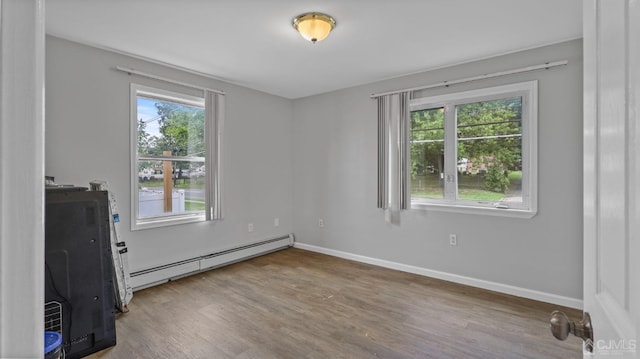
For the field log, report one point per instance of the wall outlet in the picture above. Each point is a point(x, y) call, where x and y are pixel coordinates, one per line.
point(320, 222)
point(276, 222)
point(453, 240)
point(250, 227)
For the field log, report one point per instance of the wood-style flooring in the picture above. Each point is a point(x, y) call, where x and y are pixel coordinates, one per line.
point(300, 304)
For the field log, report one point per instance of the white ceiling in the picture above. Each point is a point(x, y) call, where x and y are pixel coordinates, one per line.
point(252, 42)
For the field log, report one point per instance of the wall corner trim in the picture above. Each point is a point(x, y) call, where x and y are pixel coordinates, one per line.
point(473, 282)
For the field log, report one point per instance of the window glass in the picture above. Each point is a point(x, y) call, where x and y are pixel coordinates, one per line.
point(427, 153)
point(187, 180)
point(489, 150)
point(170, 153)
point(475, 150)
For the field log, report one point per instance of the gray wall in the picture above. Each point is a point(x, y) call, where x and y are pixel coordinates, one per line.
point(87, 137)
point(334, 162)
point(317, 155)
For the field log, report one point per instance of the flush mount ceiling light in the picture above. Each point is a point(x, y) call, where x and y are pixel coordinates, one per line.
point(314, 26)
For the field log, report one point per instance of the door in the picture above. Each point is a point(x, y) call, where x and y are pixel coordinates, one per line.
point(612, 174)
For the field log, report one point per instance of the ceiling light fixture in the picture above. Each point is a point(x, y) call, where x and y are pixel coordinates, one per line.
point(314, 26)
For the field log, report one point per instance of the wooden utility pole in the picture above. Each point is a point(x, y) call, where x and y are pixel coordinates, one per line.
point(168, 183)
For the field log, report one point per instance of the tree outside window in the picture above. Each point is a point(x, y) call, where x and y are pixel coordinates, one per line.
point(473, 148)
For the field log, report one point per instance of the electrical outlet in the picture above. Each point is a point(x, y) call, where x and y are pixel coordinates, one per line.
point(453, 240)
point(320, 222)
point(276, 222)
point(250, 227)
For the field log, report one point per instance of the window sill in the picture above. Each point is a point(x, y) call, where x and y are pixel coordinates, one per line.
point(478, 210)
point(149, 223)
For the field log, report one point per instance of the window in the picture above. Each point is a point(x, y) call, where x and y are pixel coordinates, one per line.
point(475, 151)
point(172, 158)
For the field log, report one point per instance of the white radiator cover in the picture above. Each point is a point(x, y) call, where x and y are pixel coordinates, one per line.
point(162, 274)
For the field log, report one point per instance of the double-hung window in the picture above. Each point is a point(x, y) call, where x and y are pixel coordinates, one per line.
point(172, 157)
point(475, 151)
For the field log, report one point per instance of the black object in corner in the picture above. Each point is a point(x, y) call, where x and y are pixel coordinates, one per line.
point(79, 268)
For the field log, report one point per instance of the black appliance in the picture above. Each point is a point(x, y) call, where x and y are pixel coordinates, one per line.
point(79, 268)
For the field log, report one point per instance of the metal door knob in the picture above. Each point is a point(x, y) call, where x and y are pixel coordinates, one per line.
point(561, 327)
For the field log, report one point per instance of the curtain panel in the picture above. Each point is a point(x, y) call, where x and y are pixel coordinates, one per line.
point(214, 107)
point(393, 153)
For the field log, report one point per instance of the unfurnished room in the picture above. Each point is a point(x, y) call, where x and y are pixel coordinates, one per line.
point(319, 179)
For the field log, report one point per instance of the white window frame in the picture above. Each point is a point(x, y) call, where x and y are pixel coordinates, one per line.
point(528, 91)
point(163, 95)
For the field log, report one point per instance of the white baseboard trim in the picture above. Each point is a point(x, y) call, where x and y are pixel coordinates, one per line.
point(473, 282)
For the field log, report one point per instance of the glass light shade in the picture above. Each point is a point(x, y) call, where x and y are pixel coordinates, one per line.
point(314, 26)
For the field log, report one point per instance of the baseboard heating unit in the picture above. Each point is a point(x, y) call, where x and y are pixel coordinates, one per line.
point(161, 274)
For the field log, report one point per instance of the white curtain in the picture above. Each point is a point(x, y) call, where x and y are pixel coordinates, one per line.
point(214, 105)
point(393, 154)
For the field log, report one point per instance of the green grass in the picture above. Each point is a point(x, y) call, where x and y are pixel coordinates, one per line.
point(193, 204)
point(181, 183)
point(470, 187)
point(479, 195)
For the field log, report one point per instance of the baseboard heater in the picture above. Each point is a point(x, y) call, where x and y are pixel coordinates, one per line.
point(162, 274)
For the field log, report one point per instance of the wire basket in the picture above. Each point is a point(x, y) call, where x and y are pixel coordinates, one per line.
point(53, 317)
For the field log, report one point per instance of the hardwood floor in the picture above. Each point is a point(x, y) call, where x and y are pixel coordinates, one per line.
point(300, 304)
